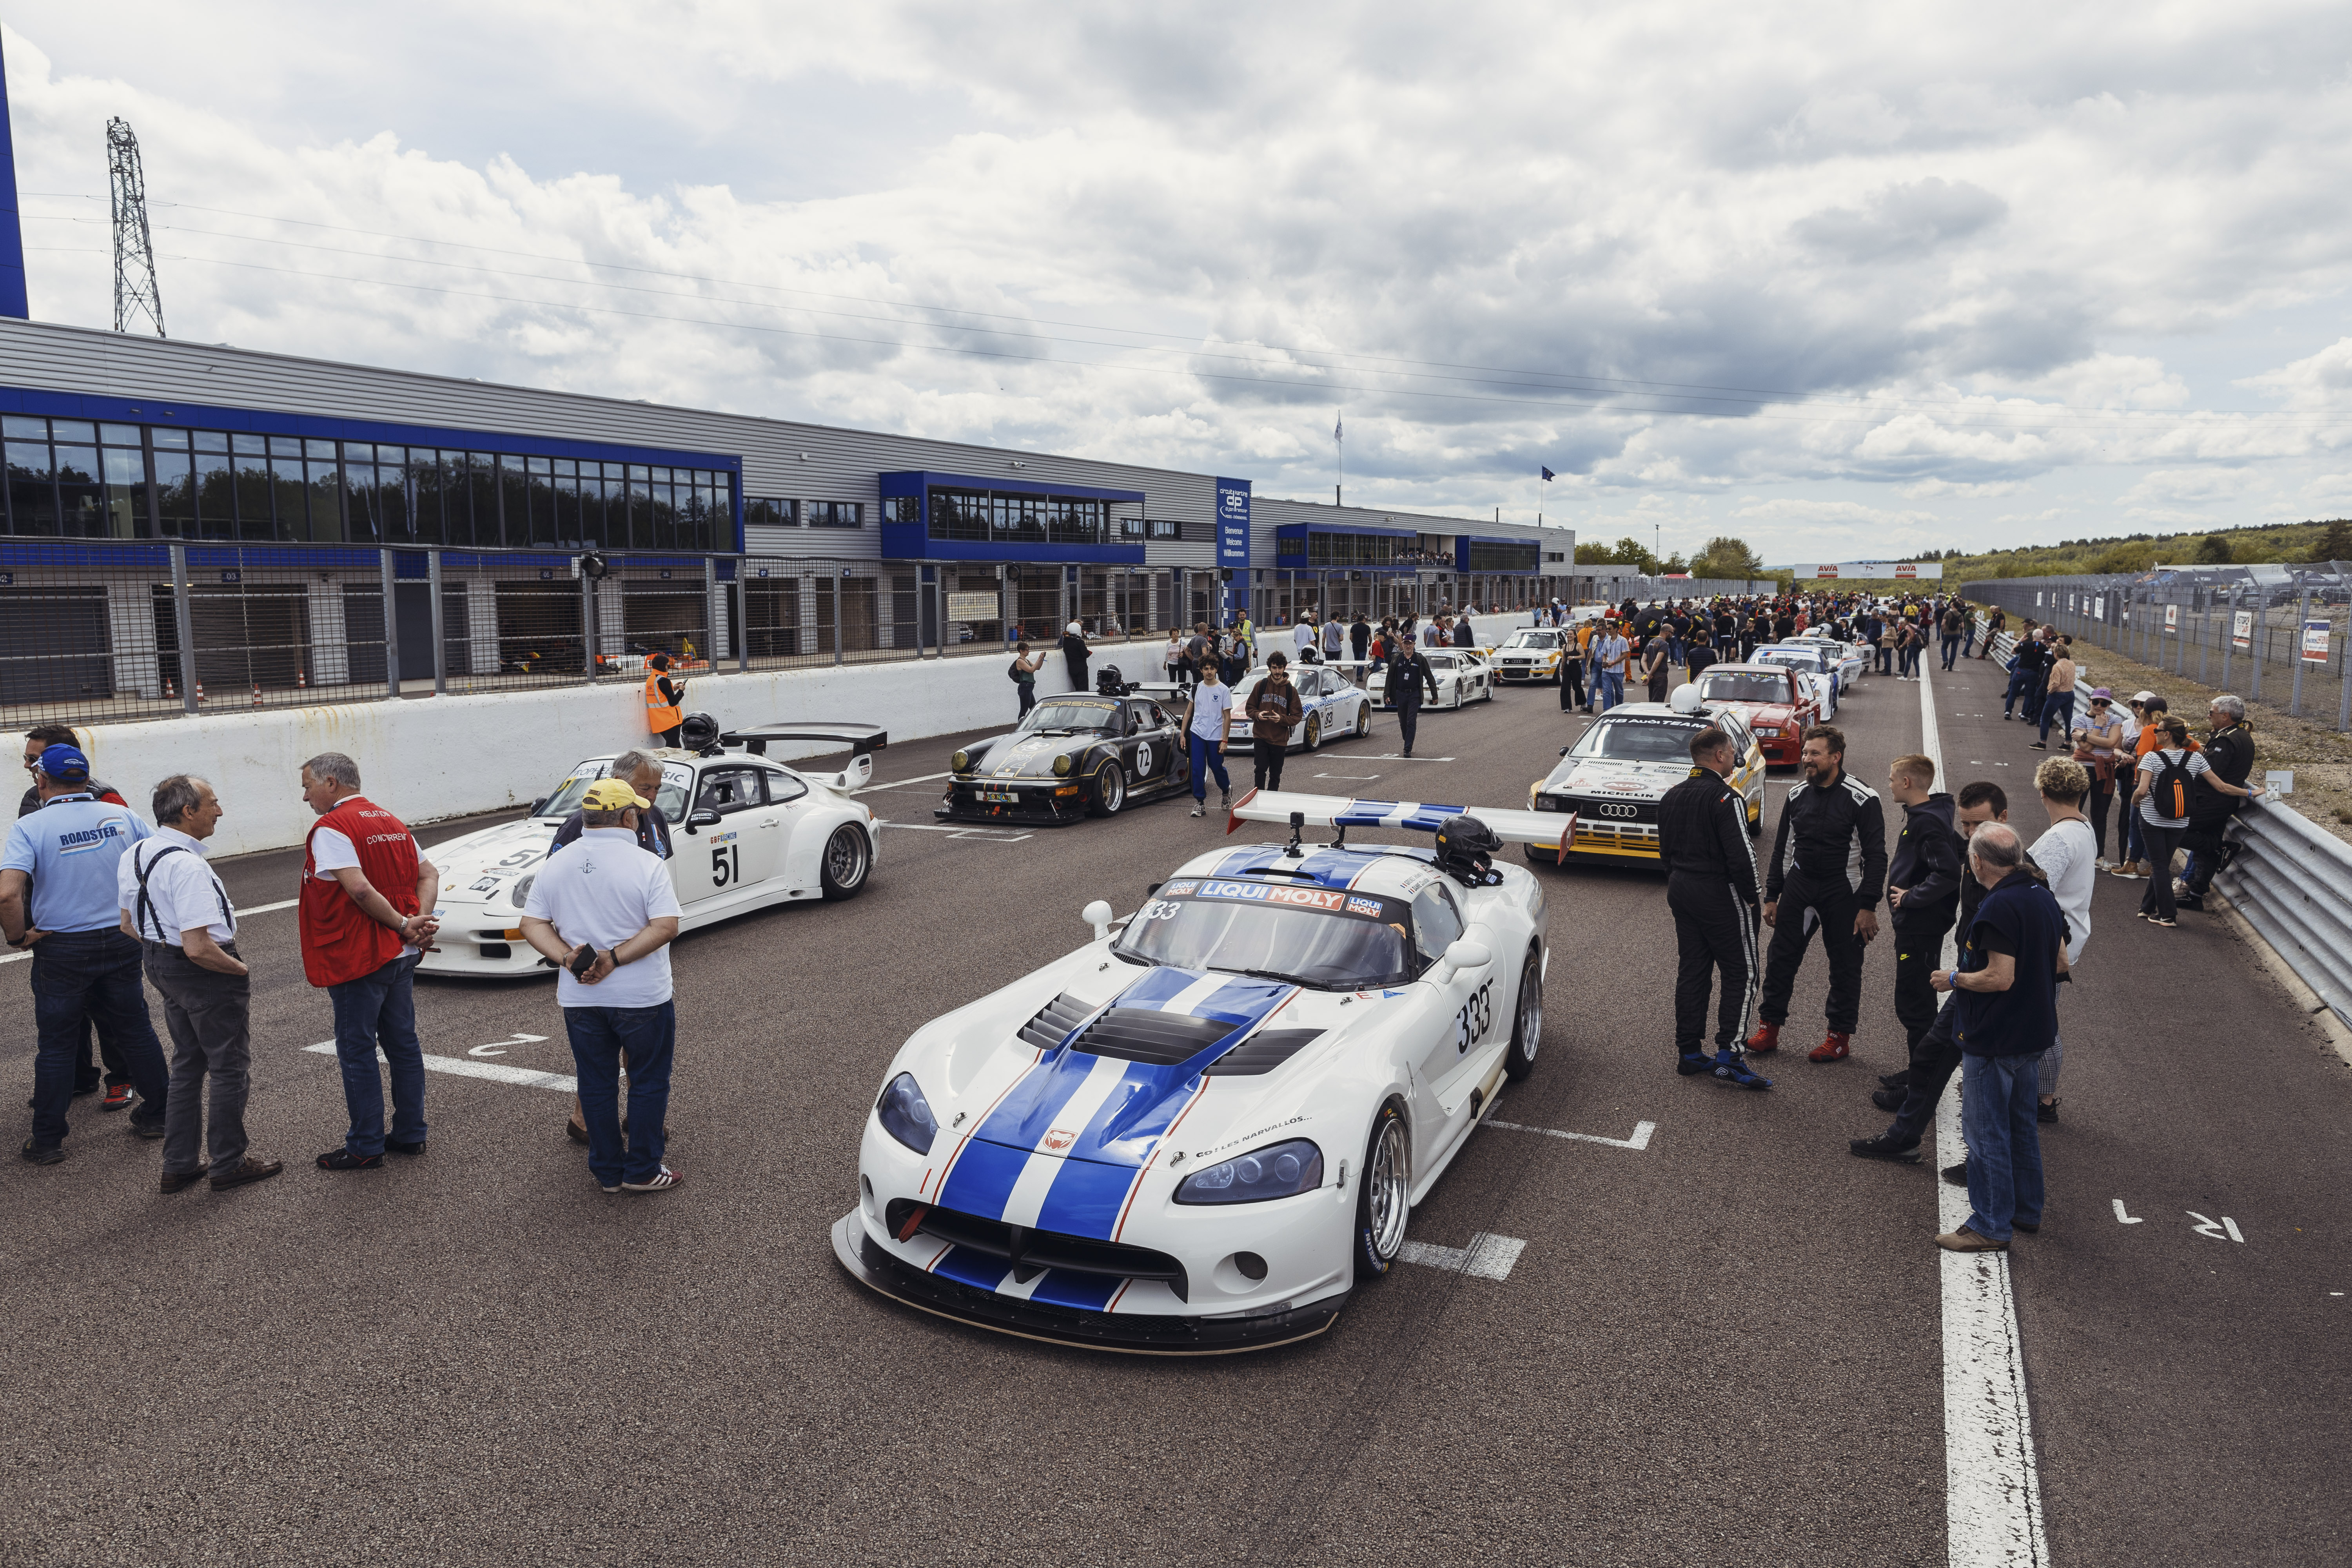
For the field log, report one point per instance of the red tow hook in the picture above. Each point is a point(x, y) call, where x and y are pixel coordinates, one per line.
point(914, 1223)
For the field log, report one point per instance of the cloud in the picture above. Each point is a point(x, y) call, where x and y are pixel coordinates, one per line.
point(1768, 250)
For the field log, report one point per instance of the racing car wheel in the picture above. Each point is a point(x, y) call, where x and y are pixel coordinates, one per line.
point(698, 733)
point(1466, 850)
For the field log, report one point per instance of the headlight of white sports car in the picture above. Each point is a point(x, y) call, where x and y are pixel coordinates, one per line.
point(1282, 1171)
point(907, 1115)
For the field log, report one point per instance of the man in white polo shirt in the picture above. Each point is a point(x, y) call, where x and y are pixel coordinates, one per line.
point(606, 911)
point(172, 901)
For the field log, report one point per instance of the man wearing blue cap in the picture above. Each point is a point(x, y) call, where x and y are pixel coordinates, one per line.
point(62, 862)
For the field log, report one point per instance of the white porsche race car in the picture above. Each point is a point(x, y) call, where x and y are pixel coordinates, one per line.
point(1198, 1135)
point(1463, 676)
point(1817, 661)
point(745, 833)
point(1333, 706)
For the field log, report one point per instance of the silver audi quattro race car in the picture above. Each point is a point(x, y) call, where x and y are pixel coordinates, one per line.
point(1080, 754)
point(1531, 653)
point(745, 833)
point(1602, 796)
point(1200, 1131)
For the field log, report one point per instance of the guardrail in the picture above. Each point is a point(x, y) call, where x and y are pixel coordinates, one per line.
point(2293, 882)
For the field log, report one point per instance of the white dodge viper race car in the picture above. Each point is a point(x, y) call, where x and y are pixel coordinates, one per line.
point(1200, 1134)
point(745, 833)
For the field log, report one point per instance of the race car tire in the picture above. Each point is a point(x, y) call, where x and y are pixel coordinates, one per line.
point(1384, 1194)
point(1526, 1023)
point(1110, 791)
point(1312, 736)
point(847, 858)
point(1364, 719)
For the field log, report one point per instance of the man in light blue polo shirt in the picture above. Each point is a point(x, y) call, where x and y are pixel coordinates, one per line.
point(84, 966)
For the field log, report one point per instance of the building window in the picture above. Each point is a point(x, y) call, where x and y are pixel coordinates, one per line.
point(1504, 556)
point(767, 511)
point(902, 509)
point(1290, 549)
point(834, 513)
point(1349, 549)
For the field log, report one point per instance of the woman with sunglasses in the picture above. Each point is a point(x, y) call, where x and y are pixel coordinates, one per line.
point(2098, 742)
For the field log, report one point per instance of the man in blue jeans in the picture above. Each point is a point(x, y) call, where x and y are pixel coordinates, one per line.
point(606, 911)
point(1208, 716)
point(58, 902)
point(2008, 1015)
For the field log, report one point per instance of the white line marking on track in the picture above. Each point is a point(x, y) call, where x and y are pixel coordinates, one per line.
point(1641, 1138)
point(2123, 1218)
point(1487, 1256)
point(1359, 778)
point(990, 835)
point(1992, 1492)
point(1397, 757)
point(256, 910)
point(465, 1066)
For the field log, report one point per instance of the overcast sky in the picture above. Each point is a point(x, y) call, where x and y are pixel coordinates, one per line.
point(1849, 281)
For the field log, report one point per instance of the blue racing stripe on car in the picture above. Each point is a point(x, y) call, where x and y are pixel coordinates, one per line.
point(982, 1178)
point(1160, 986)
point(966, 1267)
point(1086, 1198)
point(1088, 1292)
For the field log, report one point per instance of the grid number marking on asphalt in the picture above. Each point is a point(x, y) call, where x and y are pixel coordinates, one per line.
point(1487, 1256)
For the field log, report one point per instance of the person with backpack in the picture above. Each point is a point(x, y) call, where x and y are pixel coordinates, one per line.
point(2229, 753)
point(2162, 800)
point(1024, 673)
point(1950, 627)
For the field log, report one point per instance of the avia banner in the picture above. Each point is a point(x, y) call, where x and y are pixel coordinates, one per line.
point(1872, 572)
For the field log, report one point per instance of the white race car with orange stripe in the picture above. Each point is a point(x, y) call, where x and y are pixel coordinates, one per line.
point(1200, 1133)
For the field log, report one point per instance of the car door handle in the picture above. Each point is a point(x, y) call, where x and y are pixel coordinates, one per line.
point(769, 822)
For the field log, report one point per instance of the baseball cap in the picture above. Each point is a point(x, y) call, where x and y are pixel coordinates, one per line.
point(2101, 694)
point(2142, 696)
point(65, 764)
point(612, 795)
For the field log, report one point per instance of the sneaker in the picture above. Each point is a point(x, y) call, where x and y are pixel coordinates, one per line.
point(1895, 1080)
point(177, 1180)
point(2161, 921)
point(247, 1170)
point(1884, 1147)
point(118, 1098)
point(1958, 1175)
point(1225, 801)
point(1965, 1240)
point(415, 1148)
point(2103, 864)
point(1693, 1063)
point(1731, 1067)
point(2127, 874)
point(149, 1128)
point(1764, 1041)
point(1888, 1098)
point(344, 1160)
point(42, 1153)
point(1834, 1047)
point(2189, 901)
point(1197, 811)
point(661, 1181)
point(2038, 746)
point(2046, 1111)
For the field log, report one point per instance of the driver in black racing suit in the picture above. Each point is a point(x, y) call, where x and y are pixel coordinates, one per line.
point(1711, 889)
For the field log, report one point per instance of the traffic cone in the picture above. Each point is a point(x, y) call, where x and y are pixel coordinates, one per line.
point(302, 679)
point(200, 693)
point(257, 694)
point(167, 687)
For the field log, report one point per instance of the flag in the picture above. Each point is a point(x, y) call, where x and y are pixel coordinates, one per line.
point(1547, 474)
point(1335, 428)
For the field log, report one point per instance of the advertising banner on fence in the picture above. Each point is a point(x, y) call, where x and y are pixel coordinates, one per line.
point(2242, 628)
point(2314, 642)
point(2172, 619)
point(1872, 572)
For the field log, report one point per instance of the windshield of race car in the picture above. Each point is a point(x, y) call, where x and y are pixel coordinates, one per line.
point(1794, 658)
point(1321, 938)
point(1528, 637)
point(1738, 686)
point(677, 779)
point(1086, 718)
point(1638, 741)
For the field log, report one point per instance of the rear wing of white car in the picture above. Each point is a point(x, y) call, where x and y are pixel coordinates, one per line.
point(1544, 829)
point(863, 740)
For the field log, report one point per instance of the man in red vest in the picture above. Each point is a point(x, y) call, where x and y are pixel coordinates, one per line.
point(367, 896)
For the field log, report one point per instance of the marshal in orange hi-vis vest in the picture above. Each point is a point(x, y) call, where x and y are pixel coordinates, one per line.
point(661, 714)
point(339, 941)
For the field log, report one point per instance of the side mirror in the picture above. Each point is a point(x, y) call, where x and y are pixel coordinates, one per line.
point(1097, 915)
point(537, 804)
point(700, 816)
point(1464, 954)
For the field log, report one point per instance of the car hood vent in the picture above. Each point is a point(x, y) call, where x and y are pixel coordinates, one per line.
point(1053, 1022)
point(1148, 1034)
point(1263, 1052)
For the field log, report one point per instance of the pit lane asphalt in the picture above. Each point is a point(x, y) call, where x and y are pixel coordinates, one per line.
point(1722, 1348)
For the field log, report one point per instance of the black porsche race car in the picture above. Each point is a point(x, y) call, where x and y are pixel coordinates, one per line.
point(1075, 755)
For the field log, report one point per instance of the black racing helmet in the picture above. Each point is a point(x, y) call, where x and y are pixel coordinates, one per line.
point(698, 732)
point(1467, 848)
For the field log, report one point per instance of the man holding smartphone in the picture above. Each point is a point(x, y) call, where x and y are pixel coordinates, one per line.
point(606, 910)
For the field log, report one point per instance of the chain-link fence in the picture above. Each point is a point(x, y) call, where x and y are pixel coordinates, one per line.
point(2272, 634)
point(93, 632)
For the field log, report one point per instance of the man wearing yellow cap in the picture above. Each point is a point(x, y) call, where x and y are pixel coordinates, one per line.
point(606, 910)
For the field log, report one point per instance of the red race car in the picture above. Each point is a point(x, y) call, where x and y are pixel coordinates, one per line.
point(1773, 700)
